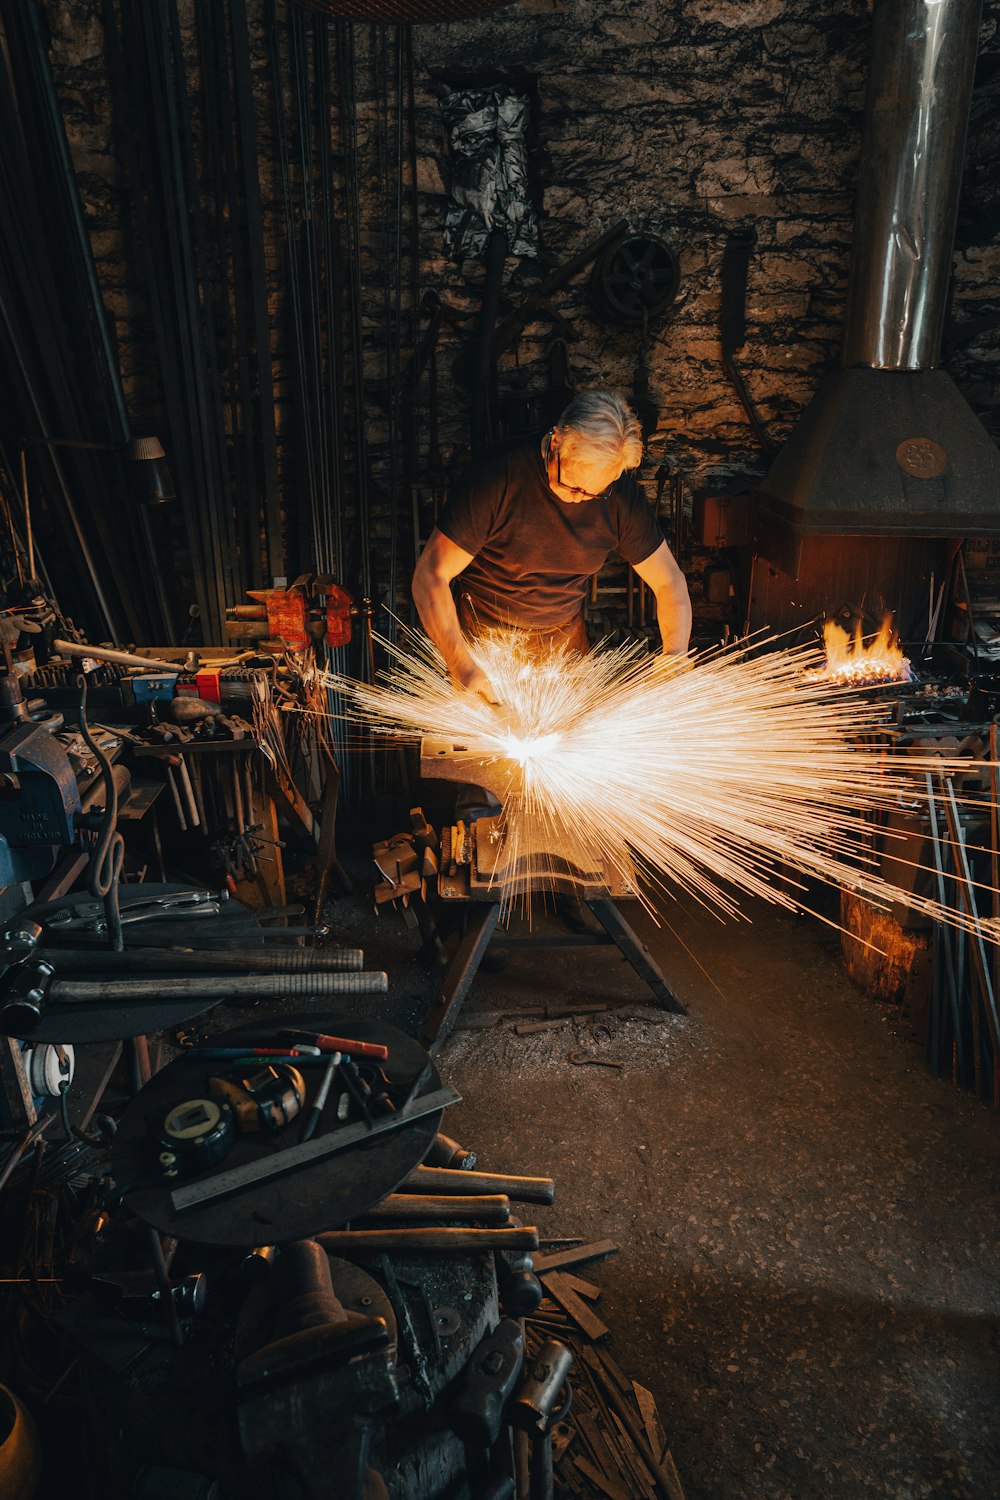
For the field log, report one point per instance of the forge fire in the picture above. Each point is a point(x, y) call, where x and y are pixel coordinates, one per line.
point(853, 660)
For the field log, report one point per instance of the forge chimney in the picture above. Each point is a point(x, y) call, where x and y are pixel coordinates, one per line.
point(889, 447)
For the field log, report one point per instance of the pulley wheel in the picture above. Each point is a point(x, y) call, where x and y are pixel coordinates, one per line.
point(636, 279)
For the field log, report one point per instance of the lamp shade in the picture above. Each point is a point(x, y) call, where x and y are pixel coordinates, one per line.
point(150, 480)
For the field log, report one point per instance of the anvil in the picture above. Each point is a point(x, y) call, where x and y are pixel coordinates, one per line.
point(546, 859)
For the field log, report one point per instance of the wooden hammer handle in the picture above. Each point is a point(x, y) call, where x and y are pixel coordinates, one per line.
point(453, 1180)
point(491, 1208)
point(354, 1241)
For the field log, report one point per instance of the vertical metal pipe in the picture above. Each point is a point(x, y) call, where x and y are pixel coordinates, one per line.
point(916, 117)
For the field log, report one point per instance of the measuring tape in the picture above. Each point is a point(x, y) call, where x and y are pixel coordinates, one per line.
point(196, 1134)
point(265, 1100)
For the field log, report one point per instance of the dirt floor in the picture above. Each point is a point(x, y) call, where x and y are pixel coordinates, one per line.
point(809, 1271)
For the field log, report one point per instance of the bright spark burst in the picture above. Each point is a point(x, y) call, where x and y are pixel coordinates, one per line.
point(731, 778)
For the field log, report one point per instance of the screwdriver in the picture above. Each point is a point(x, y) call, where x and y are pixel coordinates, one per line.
point(335, 1043)
point(322, 1094)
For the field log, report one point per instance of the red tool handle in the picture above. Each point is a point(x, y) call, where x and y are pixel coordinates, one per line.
point(344, 1044)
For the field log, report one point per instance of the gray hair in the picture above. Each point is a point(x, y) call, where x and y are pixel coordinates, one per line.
point(605, 425)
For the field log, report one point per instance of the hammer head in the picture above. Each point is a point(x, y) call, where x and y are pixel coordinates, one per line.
point(24, 995)
point(533, 1406)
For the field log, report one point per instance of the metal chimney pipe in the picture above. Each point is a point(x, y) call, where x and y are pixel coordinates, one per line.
point(916, 118)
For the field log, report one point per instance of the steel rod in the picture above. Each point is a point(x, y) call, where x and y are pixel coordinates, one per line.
point(210, 987)
point(69, 961)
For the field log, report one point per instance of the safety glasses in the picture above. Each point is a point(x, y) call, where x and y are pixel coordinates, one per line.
point(571, 489)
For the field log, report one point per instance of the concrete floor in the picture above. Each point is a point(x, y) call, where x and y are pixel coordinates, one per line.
point(809, 1272)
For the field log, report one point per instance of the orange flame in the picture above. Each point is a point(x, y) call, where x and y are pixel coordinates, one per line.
point(850, 660)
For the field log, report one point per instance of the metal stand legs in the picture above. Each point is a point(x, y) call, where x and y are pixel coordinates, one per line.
point(482, 924)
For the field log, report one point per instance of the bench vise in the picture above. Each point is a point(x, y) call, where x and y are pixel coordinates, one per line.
point(39, 797)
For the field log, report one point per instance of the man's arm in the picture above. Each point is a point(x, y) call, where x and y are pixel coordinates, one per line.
point(440, 562)
point(660, 572)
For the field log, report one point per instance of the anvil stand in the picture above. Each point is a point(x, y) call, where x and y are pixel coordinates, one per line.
point(542, 868)
point(482, 924)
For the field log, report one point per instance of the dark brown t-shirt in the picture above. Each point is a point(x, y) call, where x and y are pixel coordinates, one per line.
point(534, 554)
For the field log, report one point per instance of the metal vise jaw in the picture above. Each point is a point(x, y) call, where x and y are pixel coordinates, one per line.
point(39, 800)
point(325, 1374)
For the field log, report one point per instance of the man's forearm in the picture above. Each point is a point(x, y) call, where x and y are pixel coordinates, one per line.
point(673, 616)
point(438, 616)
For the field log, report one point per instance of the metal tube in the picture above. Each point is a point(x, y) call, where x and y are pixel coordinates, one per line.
point(210, 987)
point(205, 961)
point(916, 116)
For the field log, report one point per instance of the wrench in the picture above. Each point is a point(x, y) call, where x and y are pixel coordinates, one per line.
point(579, 1058)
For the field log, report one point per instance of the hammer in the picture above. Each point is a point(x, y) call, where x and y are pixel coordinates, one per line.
point(534, 1410)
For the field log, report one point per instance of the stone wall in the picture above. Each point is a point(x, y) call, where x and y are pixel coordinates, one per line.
point(690, 120)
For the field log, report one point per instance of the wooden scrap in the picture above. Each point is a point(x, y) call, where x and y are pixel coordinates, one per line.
point(582, 1288)
point(667, 1480)
point(587, 1321)
point(617, 1374)
point(650, 1417)
point(573, 1483)
point(576, 1008)
point(632, 1461)
point(594, 1437)
point(670, 1469)
point(556, 1315)
point(597, 1250)
point(609, 1487)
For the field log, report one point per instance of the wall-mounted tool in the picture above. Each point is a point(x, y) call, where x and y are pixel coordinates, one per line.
point(735, 265)
point(314, 609)
point(311, 1326)
point(476, 1414)
point(538, 1406)
point(635, 279)
point(39, 797)
point(446, 1153)
point(521, 1292)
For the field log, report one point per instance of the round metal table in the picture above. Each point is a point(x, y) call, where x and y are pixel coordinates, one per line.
point(300, 1203)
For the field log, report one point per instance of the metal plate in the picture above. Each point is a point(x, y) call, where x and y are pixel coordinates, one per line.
point(113, 1021)
point(298, 1204)
point(922, 457)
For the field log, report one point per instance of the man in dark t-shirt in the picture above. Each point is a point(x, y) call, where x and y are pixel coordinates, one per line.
point(527, 527)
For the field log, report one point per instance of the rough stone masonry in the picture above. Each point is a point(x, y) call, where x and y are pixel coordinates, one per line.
point(690, 120)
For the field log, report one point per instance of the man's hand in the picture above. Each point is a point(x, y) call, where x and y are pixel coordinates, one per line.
point(474, 680)
point(674, 663)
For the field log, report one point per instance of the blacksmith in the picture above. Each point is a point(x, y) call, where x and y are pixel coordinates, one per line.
point(527, 527)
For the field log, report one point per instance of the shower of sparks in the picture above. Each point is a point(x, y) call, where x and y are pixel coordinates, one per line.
point(728, 779)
